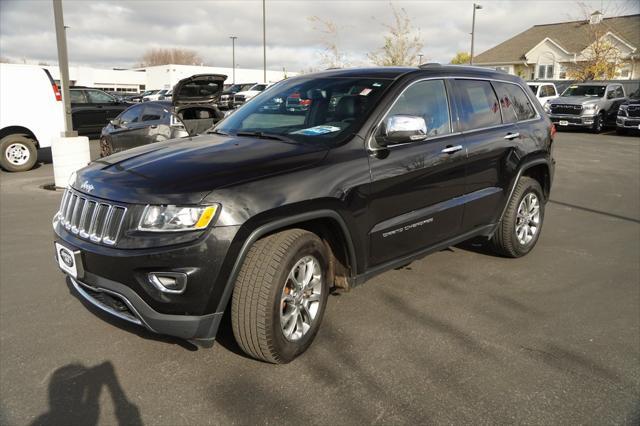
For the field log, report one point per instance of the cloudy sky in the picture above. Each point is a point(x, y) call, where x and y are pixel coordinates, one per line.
point(116, 33)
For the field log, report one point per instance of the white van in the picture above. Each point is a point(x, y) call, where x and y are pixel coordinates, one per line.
point(31, 114)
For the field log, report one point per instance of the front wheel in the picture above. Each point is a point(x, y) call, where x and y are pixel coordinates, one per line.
point(520, 227)
point(19, 153)
point(598, 123)
point(280, 296)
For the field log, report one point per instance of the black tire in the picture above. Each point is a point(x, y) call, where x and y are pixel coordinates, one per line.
point(106, 148)
point(598, 123)
point(621, 131)
point(18, 153)
point(504, 240)
point(256, 305)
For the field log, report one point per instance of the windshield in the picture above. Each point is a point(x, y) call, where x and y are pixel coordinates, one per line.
point(307, 109)
point(635, 95)
point(534, 88)
point(595, 91)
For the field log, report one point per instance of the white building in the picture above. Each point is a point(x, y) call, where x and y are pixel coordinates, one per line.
point(158, 77)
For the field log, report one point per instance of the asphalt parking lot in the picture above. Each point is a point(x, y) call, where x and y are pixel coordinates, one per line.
point(460, 336)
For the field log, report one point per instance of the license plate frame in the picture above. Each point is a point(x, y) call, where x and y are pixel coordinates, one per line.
point(70, 261)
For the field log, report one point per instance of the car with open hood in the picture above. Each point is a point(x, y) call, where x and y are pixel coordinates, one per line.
point(274, 208)
point(191, 110)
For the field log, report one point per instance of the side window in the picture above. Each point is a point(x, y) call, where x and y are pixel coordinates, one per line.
point(426, 99)
point(478, 104)
point(521, 104)
point(548, 91)
point(506, 104)
point(131, 115)
point(552, 90)
point(99, 97)
point(619, 92)
point(153, 113)
point(77, 97)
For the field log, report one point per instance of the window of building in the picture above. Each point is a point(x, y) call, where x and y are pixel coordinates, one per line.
point(545, 72)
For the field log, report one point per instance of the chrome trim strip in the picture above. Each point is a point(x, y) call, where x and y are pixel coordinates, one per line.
point(78, 286)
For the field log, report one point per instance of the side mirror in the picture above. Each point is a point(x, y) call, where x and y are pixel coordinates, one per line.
point(115, 122)
point(403, 128)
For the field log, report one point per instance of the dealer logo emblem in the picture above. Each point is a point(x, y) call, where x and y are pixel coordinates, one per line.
point(66, 258)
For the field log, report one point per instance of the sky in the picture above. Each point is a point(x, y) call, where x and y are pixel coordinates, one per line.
point(108, 34)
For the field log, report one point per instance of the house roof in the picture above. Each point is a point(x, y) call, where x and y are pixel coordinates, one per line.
point(573, 36)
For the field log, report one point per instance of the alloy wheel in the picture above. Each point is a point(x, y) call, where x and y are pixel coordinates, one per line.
point(528, 219)
point(301, 298)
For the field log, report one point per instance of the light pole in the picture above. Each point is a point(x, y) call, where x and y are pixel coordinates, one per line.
point(63, 63)
point(420, 55)
point(233, 56)
point(264, 41)
point(473, 30)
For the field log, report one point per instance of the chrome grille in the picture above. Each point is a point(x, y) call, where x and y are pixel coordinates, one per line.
point(566, 109)
point(633, 110)
point(91, 219)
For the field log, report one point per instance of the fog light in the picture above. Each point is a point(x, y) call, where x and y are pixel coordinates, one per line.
point(169, 282)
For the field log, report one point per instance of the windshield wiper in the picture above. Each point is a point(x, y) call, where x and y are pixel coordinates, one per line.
point(263, 135)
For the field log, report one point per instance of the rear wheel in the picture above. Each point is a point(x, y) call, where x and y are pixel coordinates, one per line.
point(280, 296)
point(520, 227)
point(18, 152)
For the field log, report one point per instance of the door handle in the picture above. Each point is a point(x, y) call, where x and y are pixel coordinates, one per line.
point(153, 126)
point(512, 136)
point(451, 149)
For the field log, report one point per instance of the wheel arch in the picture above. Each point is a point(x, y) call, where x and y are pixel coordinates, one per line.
point(327, 224)
point(537, 169)
point(19, 130)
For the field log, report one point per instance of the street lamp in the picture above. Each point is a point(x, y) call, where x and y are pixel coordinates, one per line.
point(473, 30)
point(233, 56)
point(420, 55)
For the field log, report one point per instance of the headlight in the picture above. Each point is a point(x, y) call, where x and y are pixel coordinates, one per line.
point(623, 110)
point(589, 108)
point(176, 218)
point(547, 108)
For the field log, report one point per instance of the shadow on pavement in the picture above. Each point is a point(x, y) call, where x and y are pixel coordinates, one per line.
point(586, 209)
point(74, 395)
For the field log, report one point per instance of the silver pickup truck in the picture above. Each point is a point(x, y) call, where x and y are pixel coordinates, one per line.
point(592, 105)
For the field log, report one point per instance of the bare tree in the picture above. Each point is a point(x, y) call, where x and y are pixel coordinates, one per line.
point(601, 59)
point(461, 58)
point(332, 56)
point(401, 43)
point(162, 56)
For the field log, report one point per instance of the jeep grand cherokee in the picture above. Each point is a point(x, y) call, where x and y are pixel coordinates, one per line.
point(273, 208)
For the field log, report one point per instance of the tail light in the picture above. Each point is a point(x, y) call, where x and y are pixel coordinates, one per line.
point(56, 92)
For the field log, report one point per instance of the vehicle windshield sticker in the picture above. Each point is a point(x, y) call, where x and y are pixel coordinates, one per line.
point(365, 92)
point(317, 130)
point(377, 84)
point(573, 87)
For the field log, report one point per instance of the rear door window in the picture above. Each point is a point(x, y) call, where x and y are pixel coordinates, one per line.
point(426, 99)
point(77, 97)
point(619, 92)
point(521, 103)
point(99, 97)
point(153, 113)
point(478, 104)
point(506, 104)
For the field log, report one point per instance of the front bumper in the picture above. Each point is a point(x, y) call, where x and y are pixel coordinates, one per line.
point(628, 122)
point(116, 281)
point(572, 120)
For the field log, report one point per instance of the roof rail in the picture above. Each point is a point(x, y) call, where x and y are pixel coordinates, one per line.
point(429, 65)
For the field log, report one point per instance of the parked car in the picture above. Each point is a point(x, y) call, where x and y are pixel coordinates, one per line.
point(139, 97)
point(31, 115)
point(269, 212)
point(628, 119)
point(226, 98)
point(544, 91)
point(589, 105)
point(241, 97)
point(120, 96)
point(91, 109)
point(167, 96)
point(155, 96)
point(191, 111)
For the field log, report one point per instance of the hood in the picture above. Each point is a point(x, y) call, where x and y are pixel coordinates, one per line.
point(632, 101)
point(198, 89)
point(184, 171)
point(575, 100)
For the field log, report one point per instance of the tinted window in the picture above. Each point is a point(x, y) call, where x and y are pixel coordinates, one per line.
point(587, 90)
point(131, 115)
point(99, 97)
point(77, 97)
point(259, 87)
point(548, 91)
point(426, 99)
point(478, 104)
point(523, 108)
point(153, 113)
point(534, 88)
point(619, 92)
point(506, 104)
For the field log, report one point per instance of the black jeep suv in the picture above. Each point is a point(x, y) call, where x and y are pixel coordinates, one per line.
point(272, 209)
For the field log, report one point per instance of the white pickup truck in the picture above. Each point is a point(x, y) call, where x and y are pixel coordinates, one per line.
point(543, 91)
